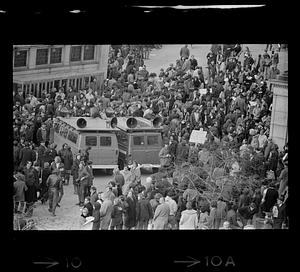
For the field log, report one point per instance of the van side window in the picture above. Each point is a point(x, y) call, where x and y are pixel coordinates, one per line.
point(105, 141)
point(72, 136)
point(152, 140)
point(91, 140)
point(63, 131)
point(138, 140)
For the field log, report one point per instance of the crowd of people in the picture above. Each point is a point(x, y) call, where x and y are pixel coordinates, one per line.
point(228, 99)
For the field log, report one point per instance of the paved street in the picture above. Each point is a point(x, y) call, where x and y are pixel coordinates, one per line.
point(169, 53)
point(67, 216)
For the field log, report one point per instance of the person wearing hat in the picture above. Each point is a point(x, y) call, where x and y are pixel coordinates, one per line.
point(54, 182)
point(279, 213)
point(20, 188)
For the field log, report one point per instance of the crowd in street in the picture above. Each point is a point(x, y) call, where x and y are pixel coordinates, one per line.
point(229, 99)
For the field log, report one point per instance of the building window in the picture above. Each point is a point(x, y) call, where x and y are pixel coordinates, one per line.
point(89, 52)
point(55, 55)
point(75, 53)
point(20, 58)
point(42, 56)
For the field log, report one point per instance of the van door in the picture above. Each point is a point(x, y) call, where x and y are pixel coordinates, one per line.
point(109, 151)
point(104, 149)
point(138, 147)
point(154, 145)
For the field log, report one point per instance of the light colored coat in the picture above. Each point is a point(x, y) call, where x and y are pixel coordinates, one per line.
point(188, 220)
point(105, 214)
point(161, 216)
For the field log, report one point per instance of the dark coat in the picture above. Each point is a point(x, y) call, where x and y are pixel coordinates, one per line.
point(30, 180)
point(50, 154)
point(67, 159)
point(94, 198)
point(26, 155)
point(39, 137)
point(91, 176)
point(270, 199)
point(117, 215)
point(75, 169)
point(89, 207)
point(130, 212)
point(96, 215)
point(41, 154)
point(144, 210)
point(246, 213)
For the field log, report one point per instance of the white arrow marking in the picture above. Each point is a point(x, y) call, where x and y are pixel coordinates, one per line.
point(193, 261)
point(50, 264)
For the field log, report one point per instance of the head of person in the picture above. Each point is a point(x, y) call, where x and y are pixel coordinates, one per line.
point(100, 195)
point(57, 159)
point(87, 200)
point(28, 164)
point(189, 205)
point(130, 193)
point(161, 200)
point(81, 164)
point(214, 204)
point(97, 206)
point(93, 189)
point(157, 197)
point(85, 212)
point(252, 206)
point(134, 164)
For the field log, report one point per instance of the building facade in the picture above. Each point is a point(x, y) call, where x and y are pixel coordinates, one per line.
point(279, 117)
point(43, 67)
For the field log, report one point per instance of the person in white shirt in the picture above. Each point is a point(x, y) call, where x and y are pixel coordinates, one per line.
point(173, 210)
point(189, 218)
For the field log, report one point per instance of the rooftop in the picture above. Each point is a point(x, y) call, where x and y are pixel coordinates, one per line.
point(92, 123)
